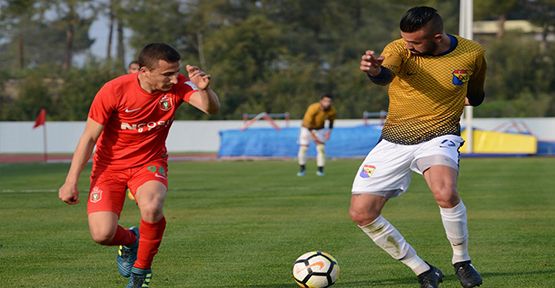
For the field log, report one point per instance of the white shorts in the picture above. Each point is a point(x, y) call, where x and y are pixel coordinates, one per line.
point(305, 136)
point(386, 171)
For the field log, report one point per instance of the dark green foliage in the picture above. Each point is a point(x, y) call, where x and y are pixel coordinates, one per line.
point(520, 78)
point(273, 56)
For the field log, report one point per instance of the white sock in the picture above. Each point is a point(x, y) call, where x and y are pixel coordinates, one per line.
point(454, 222)
point(392, 242)
point(302, 155)
point(320, 155)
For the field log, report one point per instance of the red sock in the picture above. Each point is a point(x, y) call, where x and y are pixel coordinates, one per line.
point(123, 237)
point(149, 241)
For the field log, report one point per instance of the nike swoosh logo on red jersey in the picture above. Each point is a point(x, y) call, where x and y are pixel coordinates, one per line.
point(159, 176)
point(127, 110)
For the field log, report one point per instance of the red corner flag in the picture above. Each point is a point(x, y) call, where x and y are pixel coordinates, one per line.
point(41, 118)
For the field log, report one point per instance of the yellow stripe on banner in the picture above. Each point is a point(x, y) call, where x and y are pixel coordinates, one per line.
point(492, 142)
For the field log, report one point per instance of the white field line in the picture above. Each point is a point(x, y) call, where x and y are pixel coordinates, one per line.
point(26, 190)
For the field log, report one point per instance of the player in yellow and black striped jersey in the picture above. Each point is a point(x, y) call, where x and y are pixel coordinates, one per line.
point(427, 93)
point(313, 130)
point(432, 75)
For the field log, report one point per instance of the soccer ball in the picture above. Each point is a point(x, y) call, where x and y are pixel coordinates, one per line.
point(315, 269)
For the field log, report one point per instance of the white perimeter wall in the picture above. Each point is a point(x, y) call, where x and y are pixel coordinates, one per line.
point(203, 136)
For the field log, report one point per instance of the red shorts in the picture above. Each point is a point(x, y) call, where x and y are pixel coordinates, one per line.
point(109, 186)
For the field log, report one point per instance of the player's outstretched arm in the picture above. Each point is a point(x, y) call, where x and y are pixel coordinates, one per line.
point(69, 192)
point(205, 99)
point(371, 64)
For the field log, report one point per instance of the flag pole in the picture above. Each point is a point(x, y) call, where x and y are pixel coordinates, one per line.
point(45, 151)
point(465, 30)
point(41, 120)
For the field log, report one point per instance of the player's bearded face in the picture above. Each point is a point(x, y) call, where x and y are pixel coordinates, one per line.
point(420, 43)
point(427, 48)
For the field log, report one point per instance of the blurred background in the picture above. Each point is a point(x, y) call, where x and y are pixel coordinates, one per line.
point(271, 56)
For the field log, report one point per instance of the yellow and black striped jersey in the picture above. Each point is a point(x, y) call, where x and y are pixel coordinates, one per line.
point(315, 117)
point(427, 94)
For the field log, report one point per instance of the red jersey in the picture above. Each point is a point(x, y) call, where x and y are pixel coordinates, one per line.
point(136, 123)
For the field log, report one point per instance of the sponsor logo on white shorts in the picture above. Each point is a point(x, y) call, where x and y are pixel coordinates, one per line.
point(447, 143)
point(366, 171)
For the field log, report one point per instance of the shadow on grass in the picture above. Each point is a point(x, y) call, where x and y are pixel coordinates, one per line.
point(400, 281)
point(342, 283)
point(486, 275)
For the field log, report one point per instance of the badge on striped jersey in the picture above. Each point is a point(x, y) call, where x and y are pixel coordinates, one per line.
point(460, 76)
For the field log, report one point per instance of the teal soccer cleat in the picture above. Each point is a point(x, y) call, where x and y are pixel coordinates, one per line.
point(127, 255)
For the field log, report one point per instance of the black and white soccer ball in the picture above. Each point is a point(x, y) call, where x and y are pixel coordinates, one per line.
point(315, 269)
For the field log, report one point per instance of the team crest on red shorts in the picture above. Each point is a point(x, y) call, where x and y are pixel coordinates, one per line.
point(96, 195)
point(367, 171)
point(165, 103)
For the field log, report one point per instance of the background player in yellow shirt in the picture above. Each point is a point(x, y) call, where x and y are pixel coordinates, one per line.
point(431, 76)
point(312, 129)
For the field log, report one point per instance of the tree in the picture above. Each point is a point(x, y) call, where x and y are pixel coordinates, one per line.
point(265, 55)
point(499, 10)
point(542, 13)
point(74, 18)
point(33, 94)
point(243, 55)
point(116, 21)
point(31, 38)
point(513, 90)
point(17, 20)
point(111, 21)
point(154, 22)
point(79, 86)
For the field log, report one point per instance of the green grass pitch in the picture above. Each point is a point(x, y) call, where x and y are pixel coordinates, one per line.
point(242, 224)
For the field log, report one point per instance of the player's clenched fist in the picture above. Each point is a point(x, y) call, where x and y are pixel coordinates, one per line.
point(69, 194)
point(370, 63)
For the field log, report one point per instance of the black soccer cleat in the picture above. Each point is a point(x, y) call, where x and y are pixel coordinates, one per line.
point(467, 274)
point(139, 278)
point(430, 278)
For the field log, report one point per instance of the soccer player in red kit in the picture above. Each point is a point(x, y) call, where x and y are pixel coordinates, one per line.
point(129, 121)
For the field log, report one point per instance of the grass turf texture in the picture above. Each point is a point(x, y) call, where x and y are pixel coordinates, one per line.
point(242, 224)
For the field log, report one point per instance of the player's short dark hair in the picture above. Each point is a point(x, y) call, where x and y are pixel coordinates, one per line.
point(418, 17)
point(153, 52)
point(327, 95)
point(133, 62)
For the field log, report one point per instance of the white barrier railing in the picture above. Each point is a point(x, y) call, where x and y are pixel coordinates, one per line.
point(198, 136)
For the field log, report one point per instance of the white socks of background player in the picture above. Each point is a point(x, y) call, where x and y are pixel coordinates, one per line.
point(320, 155)
point(454, 222)
point(392, 242)
point(302, 155)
